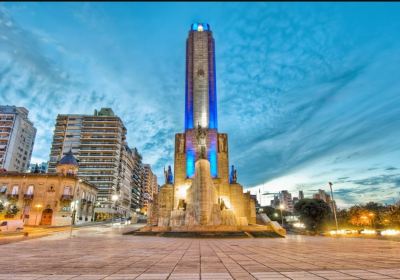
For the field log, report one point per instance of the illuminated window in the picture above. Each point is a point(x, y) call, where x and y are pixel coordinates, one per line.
point(14, 190)
point(30, 190)
point(67, 190)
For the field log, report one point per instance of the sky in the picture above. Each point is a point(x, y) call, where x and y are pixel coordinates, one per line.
point(309, 93)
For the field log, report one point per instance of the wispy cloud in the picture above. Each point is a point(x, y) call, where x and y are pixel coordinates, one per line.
point(307, 92)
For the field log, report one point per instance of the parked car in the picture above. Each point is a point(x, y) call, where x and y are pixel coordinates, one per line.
point(11, 225)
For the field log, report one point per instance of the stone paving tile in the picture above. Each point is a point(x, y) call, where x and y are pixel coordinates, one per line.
point(104, 254)
point(184, 276)
point(121, 277)
point(20, 276)
point(58, 277)
point(216, 276)
point(89, 277)
point(302, 275)
point(153, 276)
point(269, 275)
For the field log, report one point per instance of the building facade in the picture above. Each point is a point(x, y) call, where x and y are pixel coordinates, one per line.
point(54, 199)
point(322, 195)
point(137, 184)
point(98, 141)
point(17, 136)
point(150, 188)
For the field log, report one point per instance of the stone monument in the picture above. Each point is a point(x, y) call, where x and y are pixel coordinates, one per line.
point(203, 195)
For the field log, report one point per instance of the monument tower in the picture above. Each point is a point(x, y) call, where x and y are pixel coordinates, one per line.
point(201, 194)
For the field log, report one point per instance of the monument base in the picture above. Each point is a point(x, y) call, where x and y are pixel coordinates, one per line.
point(212, 230)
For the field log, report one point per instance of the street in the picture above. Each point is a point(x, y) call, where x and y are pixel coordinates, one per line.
point(102, 252)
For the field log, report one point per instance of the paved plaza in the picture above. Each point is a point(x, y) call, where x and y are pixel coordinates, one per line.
point(104, 253)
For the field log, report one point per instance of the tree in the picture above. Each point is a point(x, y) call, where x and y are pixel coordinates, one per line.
point(12, 210)
point(313, 213)
point(274, 214)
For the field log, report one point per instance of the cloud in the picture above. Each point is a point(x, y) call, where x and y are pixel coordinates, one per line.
point(306, 92)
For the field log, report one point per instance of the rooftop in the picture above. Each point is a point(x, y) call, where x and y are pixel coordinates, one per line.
point(200, 27)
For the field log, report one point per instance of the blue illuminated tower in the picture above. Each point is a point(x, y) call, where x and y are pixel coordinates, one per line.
point(200, 97)
point(201, 94)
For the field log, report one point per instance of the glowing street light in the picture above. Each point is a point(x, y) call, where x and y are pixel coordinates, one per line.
point(114, 198)
point(334, 206)
point(282, 207)
point(372, 215)
point(37, 206)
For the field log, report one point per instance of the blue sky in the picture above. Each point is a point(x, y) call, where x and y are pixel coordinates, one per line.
point(308, 93)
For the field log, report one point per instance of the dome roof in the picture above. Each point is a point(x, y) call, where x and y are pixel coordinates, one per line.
point(68, 158)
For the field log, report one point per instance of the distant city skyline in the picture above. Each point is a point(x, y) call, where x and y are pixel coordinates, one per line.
point(311, 88)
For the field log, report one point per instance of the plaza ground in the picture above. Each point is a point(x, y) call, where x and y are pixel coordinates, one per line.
point(102, 252)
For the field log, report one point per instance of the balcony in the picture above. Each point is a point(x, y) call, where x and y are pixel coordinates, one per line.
point(12, 196)
point(66, 197)
point(28, 196)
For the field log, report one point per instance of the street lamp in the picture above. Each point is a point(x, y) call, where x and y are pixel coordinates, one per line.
point(37, 206)
point(114, 198)
point(371, 215)
point(333, 207)
point(74, 206)
point(282, 207)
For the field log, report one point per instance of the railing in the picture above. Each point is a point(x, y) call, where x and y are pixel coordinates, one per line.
point(12, 196)
point(66, 197)
point(28, 196)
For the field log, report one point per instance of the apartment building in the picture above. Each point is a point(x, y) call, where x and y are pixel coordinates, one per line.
point(98, 141)
point(137, 182)
point(17, 136)
point(150, 187)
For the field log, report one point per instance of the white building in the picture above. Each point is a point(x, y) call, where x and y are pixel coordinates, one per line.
point(98, 141)
point(17, 136)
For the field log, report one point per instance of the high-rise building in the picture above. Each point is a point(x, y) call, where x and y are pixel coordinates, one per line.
point(150, 187)
point(99, 143)
point(301, 195)
point(17, 136)
point(137, 182)
point(38, 168)
point(275, 202)
point(285, 198)
point(321, 194)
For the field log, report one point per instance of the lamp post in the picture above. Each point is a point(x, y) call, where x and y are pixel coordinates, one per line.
point(37, 206)
point(371, 215)
point(282, 207)
point(74, 205)
point(114, 198)
point(334, 207)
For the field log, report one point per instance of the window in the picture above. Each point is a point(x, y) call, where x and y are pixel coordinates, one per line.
point(14, 190)
point(67, 190)
point(30, 190)
point(3, 189)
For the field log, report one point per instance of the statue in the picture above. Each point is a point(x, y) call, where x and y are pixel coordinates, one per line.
point(180, 143)
point(222, 145)
point(168, 175)
point(201, 135)
point(233, 175)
